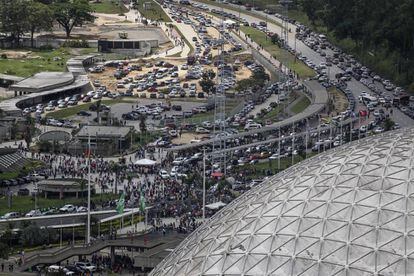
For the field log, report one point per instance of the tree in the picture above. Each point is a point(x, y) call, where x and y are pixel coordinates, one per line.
point(142, 124)
point(98, 111)
point(4, 251)
point(388, 124)
point(13, 19)
point(40, 17)
point(71, 13)
point(207, 84)
point(275, 39)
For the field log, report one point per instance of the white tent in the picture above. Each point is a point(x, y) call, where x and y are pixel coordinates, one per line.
point(145, 162)
point(216, 205)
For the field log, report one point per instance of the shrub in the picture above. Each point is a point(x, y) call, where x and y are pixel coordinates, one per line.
point(76, 44)
point(46, 47)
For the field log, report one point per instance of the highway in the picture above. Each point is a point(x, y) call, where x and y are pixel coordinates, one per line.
point(319, 100)
point(355, 86)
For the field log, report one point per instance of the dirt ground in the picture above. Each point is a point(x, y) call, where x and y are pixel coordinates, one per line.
point(339, 100)
point(106, 78)
point(103, 19)
point(18, 54)
point(187, 137)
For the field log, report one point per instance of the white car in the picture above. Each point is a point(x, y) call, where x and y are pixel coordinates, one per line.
point(81, 209)
point(86, 266)
point(68, 208)
point(50, 108)
point(378, 130)
point(164, 174)
point(53, 269)
point(173, 133)
point(10, 215)
point(274, 156)
point(178, 161)
point(202, 130)
point(33, 213)
point(363, 129)
point(174, 171)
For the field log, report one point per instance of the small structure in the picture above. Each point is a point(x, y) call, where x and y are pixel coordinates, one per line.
point(64, 187)
point(136, 41)
point(43, 81)
point(105, 140)
point(145, 162)
point(7, 80)
point(216, 205)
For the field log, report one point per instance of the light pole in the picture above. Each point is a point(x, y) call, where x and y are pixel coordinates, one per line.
point(204, 184)
point(88, 226)
point(35, 193)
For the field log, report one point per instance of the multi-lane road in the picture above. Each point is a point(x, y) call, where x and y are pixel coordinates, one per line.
point(355, 86)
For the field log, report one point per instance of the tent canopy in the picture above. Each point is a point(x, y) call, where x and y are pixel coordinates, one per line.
point(216, 205)
point(145, 162)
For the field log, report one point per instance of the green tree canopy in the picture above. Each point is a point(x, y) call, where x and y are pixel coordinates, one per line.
point(71, 13)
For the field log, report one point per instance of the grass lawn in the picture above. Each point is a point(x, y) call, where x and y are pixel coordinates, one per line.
point(141, 139)
point(154, 13)
point(23, 204)
point(71, 111)
point(273, 113)
point(42, 61)
point(209, 116)
point(259, 169)
point(280, 54)
point(109, 6)
point(300, 105)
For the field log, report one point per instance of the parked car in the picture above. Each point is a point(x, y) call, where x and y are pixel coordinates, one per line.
point(68, 208)
point(10, 215)
point(85, 266)
point(33, 213)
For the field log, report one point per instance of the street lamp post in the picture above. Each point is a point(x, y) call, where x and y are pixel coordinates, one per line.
point(204, 184)
point(88, 226)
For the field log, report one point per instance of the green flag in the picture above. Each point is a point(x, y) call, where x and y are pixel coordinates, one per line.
point(121, 204)
point(142, 203)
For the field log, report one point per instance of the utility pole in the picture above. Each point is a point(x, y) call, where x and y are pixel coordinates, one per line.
point(204, 184)
point(88, 227)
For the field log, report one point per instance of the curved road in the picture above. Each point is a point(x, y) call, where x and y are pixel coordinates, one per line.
point(355, 86)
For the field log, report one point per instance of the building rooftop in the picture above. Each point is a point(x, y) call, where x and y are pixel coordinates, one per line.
point(10, 77)
point(43, 81)
point(134, 33)
point(347, 211)
point(10, 105)
point(103, 131)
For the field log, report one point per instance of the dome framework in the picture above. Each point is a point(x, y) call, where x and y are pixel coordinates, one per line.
point(347, 211)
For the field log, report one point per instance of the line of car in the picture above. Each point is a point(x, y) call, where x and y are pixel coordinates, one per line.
point(67, 208)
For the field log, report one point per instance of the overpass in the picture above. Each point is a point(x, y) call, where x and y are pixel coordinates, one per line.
point(147, 242)
point(313, 90)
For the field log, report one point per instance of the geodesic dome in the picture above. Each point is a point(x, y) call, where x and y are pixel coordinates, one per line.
point(348, 211)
